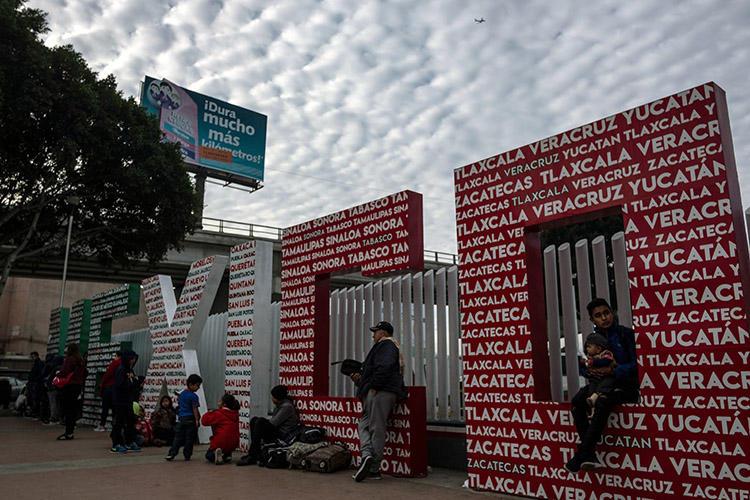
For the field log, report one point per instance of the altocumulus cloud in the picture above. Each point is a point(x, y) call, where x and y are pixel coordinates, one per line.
point(367, 98)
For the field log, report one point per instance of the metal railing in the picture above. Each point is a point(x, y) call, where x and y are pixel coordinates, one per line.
point(223, 226)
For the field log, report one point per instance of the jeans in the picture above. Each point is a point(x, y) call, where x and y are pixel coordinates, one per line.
point(184, 435)
point(123, 425)
point(54, 403)
point(590, 432)
point(106, 404)
point(261, 430)
point(70, 406)
point(372, 425)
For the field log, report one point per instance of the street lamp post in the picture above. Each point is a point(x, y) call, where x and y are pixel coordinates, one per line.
point(73, 201)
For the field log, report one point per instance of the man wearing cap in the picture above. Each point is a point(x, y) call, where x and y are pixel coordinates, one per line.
point(380, 385)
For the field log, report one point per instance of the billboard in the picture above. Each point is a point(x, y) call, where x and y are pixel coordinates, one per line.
point(228, 141)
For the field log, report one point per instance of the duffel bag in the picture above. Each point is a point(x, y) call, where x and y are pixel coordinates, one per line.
point(277, 459)
point(266, 451)
point(311, 435)
point(296, 452)
point(329, 459)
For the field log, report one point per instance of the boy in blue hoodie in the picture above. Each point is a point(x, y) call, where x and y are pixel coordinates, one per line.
point(123, 426)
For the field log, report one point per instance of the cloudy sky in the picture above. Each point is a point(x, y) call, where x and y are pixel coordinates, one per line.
point(365, 98)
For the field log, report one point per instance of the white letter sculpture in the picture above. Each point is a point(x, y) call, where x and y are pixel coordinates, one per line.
point(176, 329)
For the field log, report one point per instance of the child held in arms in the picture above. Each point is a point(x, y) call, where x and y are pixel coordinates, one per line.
point(188, 419)
point(225, 423)
point(597, 356)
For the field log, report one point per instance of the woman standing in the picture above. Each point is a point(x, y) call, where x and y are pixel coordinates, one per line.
point(76, 368)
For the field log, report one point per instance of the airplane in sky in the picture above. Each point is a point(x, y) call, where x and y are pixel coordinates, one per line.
point(480, 20)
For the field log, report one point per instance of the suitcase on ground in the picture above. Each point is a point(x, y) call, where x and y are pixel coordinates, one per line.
point(329, 458)
point(296, 453)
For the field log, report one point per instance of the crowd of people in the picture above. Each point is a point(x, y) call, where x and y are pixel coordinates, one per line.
point(55, 394)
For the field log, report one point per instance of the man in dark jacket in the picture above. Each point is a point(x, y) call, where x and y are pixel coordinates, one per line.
point(34, 384)
point(123, 427)
point(380, 385)
point(621, 341)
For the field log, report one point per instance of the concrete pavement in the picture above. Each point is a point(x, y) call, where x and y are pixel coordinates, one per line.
point(33, 465)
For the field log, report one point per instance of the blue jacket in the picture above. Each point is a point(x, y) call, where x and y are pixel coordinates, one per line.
point(621, 341)
point(381, 371)
point(124, 380)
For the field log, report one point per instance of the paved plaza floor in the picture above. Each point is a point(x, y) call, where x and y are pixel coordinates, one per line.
point(33, 465)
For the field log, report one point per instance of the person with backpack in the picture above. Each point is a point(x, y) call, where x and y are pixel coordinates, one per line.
point(262, 430)
point(74, 370)
point(380, 385)
point(123, 427)
point(106, 389)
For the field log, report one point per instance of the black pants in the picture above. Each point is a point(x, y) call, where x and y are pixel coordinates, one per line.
point(32, 391)
point(184, 435)
point(106, 404)
point(261, 430)
point(165, 434)
point(70, 406)
point(590, 432)
point(123, 425)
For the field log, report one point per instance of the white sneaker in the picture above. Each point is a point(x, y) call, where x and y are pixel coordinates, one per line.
point(218, 456)
point(364, 469)
point(99, 428)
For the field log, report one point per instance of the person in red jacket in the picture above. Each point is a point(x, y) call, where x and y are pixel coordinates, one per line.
point(225, 423)
point(75, 367)
point(105, 390)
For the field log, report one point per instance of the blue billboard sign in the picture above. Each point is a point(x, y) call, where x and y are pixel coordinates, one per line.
point(211, 133)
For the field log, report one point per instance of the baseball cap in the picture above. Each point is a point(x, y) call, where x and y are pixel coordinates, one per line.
point(383, 325)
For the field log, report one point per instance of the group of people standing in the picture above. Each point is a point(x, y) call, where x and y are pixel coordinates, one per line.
point(380, 386)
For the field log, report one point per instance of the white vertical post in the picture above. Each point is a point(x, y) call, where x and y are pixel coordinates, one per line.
point(454, 361)
point(601, 276)
point(350, 336)
point(359, 323)
point(398, 319)
point(367, 321)
point(263, 339)
point(387, 304)
point(418, 330)
point(553, 322)
point(583, 270)
point(442, 335)
point(407, 339)
point(570, 328)
point(622, 286)
point(341, 336)
point(429, 319)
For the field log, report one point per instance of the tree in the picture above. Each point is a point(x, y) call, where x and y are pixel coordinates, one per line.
point(64, 132)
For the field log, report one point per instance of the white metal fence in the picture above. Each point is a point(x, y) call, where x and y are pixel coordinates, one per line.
point(423, 309)
point(566, 296)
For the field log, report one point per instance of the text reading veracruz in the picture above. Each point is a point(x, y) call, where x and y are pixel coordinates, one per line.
point(381, 236)
point(668, 168)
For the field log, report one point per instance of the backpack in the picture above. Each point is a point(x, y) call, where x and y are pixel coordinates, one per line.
point(329, 458)
point(277, 459)
point(311, 435)
point(273, 456)
point(296, 453)
point(305, 434)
